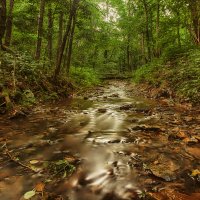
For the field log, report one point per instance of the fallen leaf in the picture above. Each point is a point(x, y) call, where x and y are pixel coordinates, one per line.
point(33, 162)
point(195, 172)
point(182, 134)
point(29, 194)
point(40, 187)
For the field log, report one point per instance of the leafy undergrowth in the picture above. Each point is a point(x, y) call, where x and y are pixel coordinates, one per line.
point(178, 76)
point(24, 82)
point(83, 77)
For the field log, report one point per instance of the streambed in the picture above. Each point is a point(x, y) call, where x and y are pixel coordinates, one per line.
point(109, 144)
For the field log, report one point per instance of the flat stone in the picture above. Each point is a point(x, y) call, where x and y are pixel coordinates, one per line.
point(164, 168)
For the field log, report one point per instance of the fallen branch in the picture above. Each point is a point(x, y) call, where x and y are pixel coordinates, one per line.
point(14, 159)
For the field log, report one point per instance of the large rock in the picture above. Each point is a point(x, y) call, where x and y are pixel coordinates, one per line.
point(164, 167)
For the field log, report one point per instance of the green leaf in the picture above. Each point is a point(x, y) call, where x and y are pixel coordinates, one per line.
point(61, 162)
point(29, 194)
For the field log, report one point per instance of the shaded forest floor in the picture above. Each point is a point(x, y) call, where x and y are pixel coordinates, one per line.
point(113, 142)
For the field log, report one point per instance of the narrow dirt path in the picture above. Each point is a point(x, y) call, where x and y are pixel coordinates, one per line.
point(111, 144)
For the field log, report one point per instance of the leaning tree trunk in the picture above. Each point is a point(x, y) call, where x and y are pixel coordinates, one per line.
point(66, 35)
point(60, 35)
point(40, 30)
point(50, 33)
point(9, 24)
point(69, 55)
point(2, 20)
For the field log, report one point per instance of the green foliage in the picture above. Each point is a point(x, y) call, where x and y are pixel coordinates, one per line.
point(147, 73)
point(28, 98)
point(186, 76)
point(182, 75)
point(84, 76)
point(61, 168)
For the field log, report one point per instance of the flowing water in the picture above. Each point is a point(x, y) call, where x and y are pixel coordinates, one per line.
point(122, 145)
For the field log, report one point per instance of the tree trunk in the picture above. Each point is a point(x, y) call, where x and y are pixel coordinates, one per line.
point(128, 55)
point(158, 51)
point(69, 55)
point(50, 33)
point(40, 30)
point(60, 35)
point(9, 24)
point(128, 38)
point(194, 6)
point(66, 35)
point(178, 29)
point(2, 20)
point(147, 29)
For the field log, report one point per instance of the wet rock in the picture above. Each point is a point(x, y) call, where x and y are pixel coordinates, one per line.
point(143, 110)
point(164, 168)
point(102, 110)
point(114, 141)
point(191, 141)
point(146, 128)
point(133, 120)
point(52, 129)
point(83, 123)
point(173, 137)
point(114, 95)
point(17, 114)
point(126, 107)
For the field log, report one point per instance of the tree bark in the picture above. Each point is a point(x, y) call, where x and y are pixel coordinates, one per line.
point(66, 35)
point(40, 30)
point(69, 55)
point(60, 35)
point(2, 20)
point(158, 51)
point(178, 29)
point(9, 24)
point(50, 33)
point(128, 39)
point(147, 29)
point(194, 6)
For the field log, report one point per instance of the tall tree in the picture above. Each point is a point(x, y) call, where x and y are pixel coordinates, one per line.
point(40, 30)
point(60, 35)
point(9, 24)
point(69, 52)
point(2, 20)
point(72, 14)
point(194, 6)
point(50, 33)
point(146, 11)
point(158, 50)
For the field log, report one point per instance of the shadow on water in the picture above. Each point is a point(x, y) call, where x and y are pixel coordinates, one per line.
point(119, 145)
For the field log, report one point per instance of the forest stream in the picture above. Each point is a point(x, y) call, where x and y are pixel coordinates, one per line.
point(111, 144)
